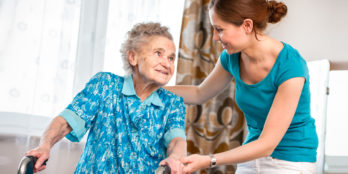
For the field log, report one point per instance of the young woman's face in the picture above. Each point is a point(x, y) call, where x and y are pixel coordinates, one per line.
point(233, 38)
point(154, 61)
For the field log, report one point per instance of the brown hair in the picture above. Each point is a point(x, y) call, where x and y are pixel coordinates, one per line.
point(136, 37)
point(259, 11)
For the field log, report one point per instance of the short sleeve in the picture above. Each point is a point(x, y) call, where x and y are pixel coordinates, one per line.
point(81, 112)
point(229, 62)
point(292, 66)
point(224, 60)
point(175, 126)
point(76, 123)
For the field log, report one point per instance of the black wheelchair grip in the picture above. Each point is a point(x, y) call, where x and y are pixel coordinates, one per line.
point(26, 166)
point(163, 169)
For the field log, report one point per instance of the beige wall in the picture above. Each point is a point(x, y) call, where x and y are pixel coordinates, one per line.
point(317, 28)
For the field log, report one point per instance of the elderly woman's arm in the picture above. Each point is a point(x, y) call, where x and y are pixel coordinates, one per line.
point(176, 150)
point(57, 129)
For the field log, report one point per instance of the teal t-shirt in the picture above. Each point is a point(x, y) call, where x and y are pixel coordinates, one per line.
point(300, 142)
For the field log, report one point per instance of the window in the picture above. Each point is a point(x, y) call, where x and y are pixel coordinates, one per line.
point(49, 49)
point(37, 54)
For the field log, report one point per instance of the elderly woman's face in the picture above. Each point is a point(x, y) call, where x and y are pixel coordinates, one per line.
point(154, 61)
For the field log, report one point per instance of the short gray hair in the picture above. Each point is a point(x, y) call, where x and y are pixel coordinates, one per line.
point(137, 34)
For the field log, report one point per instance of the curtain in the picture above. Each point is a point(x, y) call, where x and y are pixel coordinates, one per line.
point(218, 124)
point(37, 65)
point(37, 54)
point(49, 49)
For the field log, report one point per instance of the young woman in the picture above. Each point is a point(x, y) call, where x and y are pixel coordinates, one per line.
point(272, 90)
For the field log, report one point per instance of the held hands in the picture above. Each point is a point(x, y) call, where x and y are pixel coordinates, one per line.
point(174, 163)
point(188, 164)
point(195, 162)
point(42, 154)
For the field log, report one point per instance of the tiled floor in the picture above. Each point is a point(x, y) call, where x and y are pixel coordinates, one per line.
point(64, 155)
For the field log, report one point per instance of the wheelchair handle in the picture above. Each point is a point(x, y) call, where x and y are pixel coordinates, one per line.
point(163, 169)
point(26, 166)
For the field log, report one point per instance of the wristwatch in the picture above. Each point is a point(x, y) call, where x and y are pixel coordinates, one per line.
point(212, 161)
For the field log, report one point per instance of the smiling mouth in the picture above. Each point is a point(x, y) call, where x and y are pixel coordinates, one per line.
point(223, 44)
point(163, 72)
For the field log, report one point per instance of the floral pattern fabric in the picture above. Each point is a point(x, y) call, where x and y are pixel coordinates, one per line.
point(125, 134)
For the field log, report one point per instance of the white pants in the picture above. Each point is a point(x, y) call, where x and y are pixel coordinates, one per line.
point(269, 165)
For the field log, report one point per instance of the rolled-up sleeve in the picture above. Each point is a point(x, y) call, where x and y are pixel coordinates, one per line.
point(81, 112)
point(76, 123)
point(176, 121)
point(173, 133)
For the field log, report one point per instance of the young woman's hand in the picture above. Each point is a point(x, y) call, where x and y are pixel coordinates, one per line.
point(195, 162)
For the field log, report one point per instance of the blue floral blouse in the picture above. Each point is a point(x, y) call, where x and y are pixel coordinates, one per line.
point(125, 134)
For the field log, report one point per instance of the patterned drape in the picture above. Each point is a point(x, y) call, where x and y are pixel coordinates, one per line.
point(217, 125)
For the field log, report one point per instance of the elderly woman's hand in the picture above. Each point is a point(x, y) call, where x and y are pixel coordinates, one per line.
point(42, 153)
point(174, 163)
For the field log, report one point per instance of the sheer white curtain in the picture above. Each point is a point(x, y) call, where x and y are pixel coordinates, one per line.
point(37, 64)
point(124, 14)
point(37, 53)
point(49, 49)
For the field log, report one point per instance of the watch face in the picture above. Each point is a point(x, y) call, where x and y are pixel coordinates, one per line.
point(212, 162)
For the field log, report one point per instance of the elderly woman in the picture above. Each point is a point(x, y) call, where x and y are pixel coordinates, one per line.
point(133, 123)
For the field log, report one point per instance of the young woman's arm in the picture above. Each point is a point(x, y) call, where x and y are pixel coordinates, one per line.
point(210, 87)
point(278, 121)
